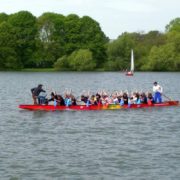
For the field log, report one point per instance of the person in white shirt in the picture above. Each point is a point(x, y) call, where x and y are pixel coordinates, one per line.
point(157, 89)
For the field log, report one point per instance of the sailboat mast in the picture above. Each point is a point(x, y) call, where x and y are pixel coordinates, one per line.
point(132, 60)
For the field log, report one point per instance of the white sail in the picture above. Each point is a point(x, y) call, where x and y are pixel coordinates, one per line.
point(132, 60)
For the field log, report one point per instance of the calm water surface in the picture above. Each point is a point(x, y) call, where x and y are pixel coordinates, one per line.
point(115, 144)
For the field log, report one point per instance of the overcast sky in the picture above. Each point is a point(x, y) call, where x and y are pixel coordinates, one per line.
point(114, 16)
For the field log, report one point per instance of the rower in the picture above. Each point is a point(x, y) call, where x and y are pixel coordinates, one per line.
point(73, 100)
point(67, 100)
point(150, 99)
point(157, 89)
point(60, 100)
point(143, 98)
point(125, 98)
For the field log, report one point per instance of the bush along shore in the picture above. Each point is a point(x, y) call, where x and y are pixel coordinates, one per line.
point(54, 42)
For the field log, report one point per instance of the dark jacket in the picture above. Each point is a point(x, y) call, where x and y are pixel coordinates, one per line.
point(37, 90)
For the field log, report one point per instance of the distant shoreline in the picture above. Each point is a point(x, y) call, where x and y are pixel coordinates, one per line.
point(54, 70)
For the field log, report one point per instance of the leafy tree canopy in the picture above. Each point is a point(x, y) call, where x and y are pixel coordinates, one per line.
point(174, 25)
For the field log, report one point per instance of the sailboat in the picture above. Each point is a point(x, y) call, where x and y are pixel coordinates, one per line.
point(131, 72)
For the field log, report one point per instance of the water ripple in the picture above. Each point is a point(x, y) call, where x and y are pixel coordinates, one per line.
point(118, 144)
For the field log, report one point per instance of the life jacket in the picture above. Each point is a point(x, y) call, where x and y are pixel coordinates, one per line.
point(67, 102)
point(149, 102)
point(88, 103)
point(121, 102)
point(138, 101)
point(55, 102)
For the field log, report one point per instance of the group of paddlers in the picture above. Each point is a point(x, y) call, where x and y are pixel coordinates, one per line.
point(40, 97)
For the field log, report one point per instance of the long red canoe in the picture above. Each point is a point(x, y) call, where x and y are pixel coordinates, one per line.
point(94, 107)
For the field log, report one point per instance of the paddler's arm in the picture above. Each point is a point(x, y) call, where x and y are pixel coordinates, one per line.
point(42, 90)
point(160, 89)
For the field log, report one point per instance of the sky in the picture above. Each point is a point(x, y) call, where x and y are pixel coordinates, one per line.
point(114, 16)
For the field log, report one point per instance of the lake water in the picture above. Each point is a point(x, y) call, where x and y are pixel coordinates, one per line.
point(114, 144)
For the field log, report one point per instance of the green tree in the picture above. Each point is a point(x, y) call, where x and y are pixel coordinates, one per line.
point(115, 65)
point(119, 51)
point(163, 58)
point(24, 26)
point(72, 33)
point(85, 33)
point(144, 45)
point(93, 38)
point(8, 59)
point(82, 60)
point(51, 38)
point(3, 17)
point(8, 55)
point(62, 64)
point(174, 37)
point(174, 25)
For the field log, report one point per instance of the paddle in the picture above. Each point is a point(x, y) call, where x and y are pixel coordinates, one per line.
point(171, 101)
point(166, 97)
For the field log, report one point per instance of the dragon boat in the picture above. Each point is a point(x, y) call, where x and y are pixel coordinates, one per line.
point(96, 107)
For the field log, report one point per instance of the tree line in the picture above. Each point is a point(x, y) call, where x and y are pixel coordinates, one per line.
point(77, 43)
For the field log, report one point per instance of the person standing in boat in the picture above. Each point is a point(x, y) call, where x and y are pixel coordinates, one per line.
point(36, 91)
point(157, 89)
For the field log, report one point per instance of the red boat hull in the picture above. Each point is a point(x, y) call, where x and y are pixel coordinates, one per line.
point(129, 74)
point(93, 107)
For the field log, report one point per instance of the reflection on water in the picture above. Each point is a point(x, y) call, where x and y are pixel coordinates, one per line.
point(39, 114)
point(114, 144)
